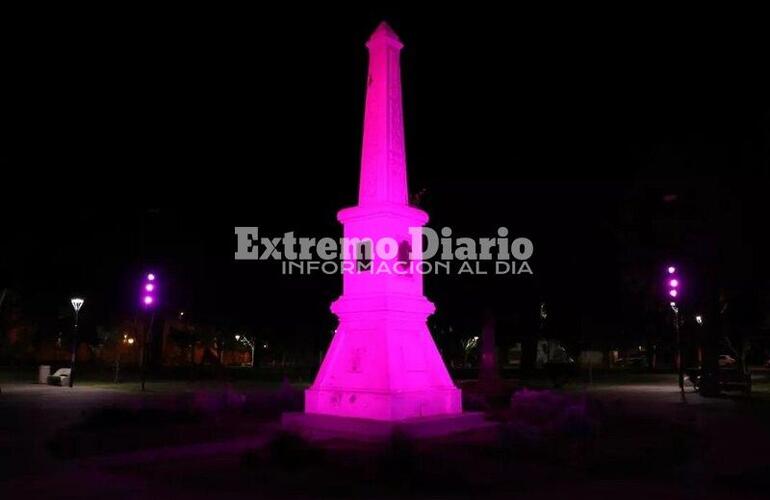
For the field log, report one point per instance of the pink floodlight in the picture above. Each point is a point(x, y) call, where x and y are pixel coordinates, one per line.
point(673, 293)
point(147, 300)
point(149, 287)
point(673, 283)
point(151, 277)
point(671, 269)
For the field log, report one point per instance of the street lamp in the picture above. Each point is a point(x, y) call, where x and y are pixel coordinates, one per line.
point(126, 341)
point(699, 321)
point(674, 292)
point(149, 289)
point(77, 303)
point(250, 343)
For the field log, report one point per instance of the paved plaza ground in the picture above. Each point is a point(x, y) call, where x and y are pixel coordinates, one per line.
point(631, 435)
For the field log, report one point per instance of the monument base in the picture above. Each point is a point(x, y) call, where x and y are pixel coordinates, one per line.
point(317, 427)
point(388, 406)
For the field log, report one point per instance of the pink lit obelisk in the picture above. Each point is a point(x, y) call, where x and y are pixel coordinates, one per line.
point(382, 363)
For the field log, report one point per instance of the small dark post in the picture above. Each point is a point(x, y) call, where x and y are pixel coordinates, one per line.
point(74, 349)
point(146, 338)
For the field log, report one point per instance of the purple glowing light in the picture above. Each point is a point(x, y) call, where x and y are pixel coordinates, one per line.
point(147, 300)
point(673, 283)
point(149, 287)
point(671, 269)
point(150, 277)
point(673, 293)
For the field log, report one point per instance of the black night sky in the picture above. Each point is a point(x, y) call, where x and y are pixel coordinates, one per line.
point(612, 142)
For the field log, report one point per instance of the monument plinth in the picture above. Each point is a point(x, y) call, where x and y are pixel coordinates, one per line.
point(382, 363)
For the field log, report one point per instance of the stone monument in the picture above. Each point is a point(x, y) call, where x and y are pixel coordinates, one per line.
point(382, 365)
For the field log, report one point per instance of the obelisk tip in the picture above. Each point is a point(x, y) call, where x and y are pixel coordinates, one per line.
point(385, 33)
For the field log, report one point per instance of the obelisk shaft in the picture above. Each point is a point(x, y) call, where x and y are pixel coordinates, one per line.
point(382, 363)
point(383, 157)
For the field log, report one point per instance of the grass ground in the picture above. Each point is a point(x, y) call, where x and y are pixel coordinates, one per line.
point(628, 434)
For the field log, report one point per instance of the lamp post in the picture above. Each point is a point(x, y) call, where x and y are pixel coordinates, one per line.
point(149, 290)
point(77, 303)
point(699, 322)
point(674, 292)
point(126, 340)
point(250, 343)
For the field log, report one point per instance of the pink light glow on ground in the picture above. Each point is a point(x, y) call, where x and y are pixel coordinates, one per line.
point(382, 363)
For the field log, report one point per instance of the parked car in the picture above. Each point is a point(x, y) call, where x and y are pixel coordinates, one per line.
point(633, 362)
point(730, 379)
point(726, 361)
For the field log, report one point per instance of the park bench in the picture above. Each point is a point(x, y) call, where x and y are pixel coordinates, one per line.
point(60, 377)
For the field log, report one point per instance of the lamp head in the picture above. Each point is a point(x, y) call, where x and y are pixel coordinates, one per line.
point(149, 290)
point(77, 303)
